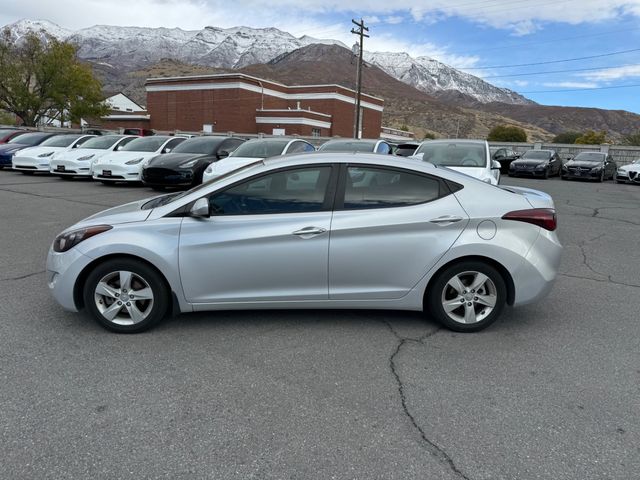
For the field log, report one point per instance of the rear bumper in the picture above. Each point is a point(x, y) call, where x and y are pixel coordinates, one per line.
point(535, 277)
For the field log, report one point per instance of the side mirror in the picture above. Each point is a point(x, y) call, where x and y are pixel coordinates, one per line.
point(167, 150)
point(200, 209)
point(495, 165)
point(222, 154)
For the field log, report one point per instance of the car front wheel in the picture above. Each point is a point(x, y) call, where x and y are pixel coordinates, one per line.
point(467, 297)
point(126, 295)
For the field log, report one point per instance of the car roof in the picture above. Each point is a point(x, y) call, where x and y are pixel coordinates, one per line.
point(455, 140)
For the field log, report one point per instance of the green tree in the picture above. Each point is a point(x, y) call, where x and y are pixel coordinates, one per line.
point(42, 77)
point(6, 118)
point(429, 136)
point(592, 138)
point(632, 139)
point(507, 133)
point(566, 137)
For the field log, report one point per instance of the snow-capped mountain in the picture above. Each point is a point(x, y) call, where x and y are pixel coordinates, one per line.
point(134, 47)
point(432, 76)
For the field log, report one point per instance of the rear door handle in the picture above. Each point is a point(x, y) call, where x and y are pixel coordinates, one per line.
point(310, 231)
point(445, 220)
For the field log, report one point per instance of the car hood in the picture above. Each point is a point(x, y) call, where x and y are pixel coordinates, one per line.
point(35, 151)
point(9, 148)
point(174, 160)
point(530, 161)
point(630, 168)
point(119, 158)
point(230, 163)
point(536, 198)
point(79, 153)
point(574, 163)
point(127, 213)
point(481, 173)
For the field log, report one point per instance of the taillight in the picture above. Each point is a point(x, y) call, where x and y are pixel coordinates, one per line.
point(542, 217)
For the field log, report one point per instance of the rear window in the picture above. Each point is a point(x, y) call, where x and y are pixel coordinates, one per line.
point(370, 187)
point(454, 154)
point(260, 148)
point(348, 146)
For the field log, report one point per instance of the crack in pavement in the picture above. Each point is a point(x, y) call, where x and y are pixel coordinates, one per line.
point(608, 280)
point(433, 448)
point(22, 276)
point(54, 198)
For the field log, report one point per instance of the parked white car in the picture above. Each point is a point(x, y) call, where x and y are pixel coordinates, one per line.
point(38, 159)
point(254, 150)
point(471, 157)
point(125, 165)
point(78, 162)
point(629, 173)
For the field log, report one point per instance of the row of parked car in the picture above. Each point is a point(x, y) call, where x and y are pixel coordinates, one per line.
point(162, 161)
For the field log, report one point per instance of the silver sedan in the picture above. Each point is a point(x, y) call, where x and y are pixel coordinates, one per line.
point(323, 230)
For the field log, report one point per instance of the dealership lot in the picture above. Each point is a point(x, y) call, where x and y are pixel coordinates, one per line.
point(552, 390)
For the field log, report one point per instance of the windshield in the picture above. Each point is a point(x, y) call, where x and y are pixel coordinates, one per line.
point(454, 154)
point(537, 155)
point(166, 199)
point(29, 139)
point(204, 146)
point(144, 144)
point(260, 148)
point(60, 141)
point(101, 143)
point(593, 157)
point(5, 132)
point(348, 146)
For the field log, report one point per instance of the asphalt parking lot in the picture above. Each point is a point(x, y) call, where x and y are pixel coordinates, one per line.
point(551, 391)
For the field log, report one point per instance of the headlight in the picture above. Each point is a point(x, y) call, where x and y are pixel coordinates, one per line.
point(596, 169)
point(67, 241)
point(189, 164)
point(541, 166)
point(48, 154)
point(135, 161)
point(87, 157)
point(146, 163)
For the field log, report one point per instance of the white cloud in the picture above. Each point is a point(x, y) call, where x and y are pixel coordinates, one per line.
point(616, 73)
point(571, 84)
point(394, 19)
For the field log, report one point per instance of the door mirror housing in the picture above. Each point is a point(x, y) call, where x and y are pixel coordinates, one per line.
point(200, 209)
point(495, 165)
point(223, 154)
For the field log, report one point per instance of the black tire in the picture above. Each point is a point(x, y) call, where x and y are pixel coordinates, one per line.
point(66, 177)
point(601, 177)
point(546, 174)
point(156, 310)
point(563, 178)
point(440, 289)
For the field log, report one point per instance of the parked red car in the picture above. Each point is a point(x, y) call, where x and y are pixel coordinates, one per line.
point(142, 132)
point(7, 134)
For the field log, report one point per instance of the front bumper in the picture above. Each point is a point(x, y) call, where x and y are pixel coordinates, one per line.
point(526, 171)
point(5, 160)
point(630, 177)
point(581, 174)
point(535, 277)
point(31, 164)
point(71, 168)
point(117, 173)
point(63, 270)
point(168, 177)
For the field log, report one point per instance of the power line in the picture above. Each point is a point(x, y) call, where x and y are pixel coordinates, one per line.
point(583, 89)
point(563, 71)
point(553, 61)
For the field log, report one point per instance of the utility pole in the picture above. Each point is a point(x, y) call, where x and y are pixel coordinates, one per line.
point(360, 32)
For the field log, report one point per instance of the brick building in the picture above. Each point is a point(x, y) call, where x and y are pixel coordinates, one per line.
point(245, 104)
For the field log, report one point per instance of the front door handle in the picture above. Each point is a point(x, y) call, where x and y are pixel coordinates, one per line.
point(309, 231)
point(445, 220)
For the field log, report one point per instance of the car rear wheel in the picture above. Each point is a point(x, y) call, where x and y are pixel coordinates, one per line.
point(126, 296)
point(601, 177)
point(467, 297)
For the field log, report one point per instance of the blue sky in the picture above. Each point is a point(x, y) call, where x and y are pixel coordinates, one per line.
point(469, 34)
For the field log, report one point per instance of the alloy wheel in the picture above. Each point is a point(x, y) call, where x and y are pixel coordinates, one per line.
point(123, 298)
point(469, 297)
